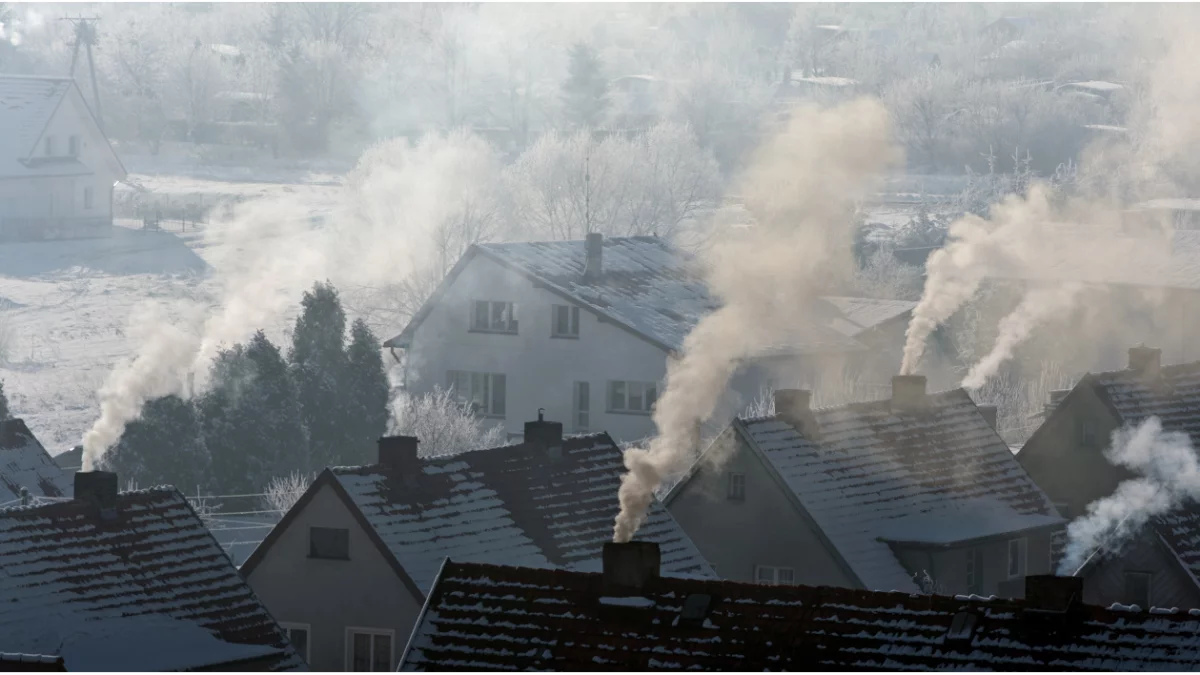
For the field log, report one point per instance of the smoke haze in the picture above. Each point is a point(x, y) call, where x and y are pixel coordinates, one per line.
point(801, 187)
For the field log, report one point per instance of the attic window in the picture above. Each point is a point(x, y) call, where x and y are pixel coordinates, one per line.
point(962, 626)
point(331, 543)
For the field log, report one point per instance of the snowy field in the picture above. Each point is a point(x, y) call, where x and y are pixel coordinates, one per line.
point(65, 305)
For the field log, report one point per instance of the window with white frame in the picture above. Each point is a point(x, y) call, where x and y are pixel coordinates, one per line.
point(484, 392)
point(73, 145)
point(975, 570)
point(1017, 549)
point(87, 197)
point(297, 634)
point(489, 316)
point(632, 397)
point(737, 487)
point(564, 321)
point(774, 576)
point(582, 407)
point(369, 649)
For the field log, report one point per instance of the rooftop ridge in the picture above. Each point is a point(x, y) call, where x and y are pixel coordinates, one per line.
point(568, 442)
point(946, 394)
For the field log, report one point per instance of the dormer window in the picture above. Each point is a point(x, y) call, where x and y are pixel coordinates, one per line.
point(49, 143)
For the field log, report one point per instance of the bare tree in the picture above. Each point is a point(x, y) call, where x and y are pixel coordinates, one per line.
point(282, 492)
point(444, 425)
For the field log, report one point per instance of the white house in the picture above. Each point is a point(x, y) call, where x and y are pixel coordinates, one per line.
point(584, 330)
point(57, 169)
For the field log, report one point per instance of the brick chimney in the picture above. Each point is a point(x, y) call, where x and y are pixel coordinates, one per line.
point(1056, 399)
point(990, 413)
point(593, 267)
point(96, 487)
point(1145, 360)
point(794, 406)
point(908, 392)
point(1050, 593)
point(398, 452)
point(546, 435)
point(629, 567)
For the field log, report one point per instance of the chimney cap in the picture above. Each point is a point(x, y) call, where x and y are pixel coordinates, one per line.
point(629, 566)
point(98, 487)
point(908, 392)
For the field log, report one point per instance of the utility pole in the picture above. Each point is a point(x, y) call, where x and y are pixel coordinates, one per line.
point(85, 33)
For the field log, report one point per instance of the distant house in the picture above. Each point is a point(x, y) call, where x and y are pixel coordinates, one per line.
point(915, 491)
point(57, 169)
point(1066, 458)
point(584, 329)
point(26, 470)
point(351, 563)
point(128, 582)
point(490, 617)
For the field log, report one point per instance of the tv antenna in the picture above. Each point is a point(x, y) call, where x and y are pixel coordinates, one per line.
point(85, 34)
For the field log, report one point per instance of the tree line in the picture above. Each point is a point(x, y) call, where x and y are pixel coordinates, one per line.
point(265, 414)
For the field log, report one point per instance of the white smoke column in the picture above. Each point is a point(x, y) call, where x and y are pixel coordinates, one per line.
point(801, 186)
point(1170, 476)
point(157, 370)
point(1037, 306)
point(396, 200)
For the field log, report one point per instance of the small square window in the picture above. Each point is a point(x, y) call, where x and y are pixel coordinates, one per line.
point(329, 542)
point(737, 487)
point(370, 650)
point(565, 321)
point(297, 634)
point(774, 576)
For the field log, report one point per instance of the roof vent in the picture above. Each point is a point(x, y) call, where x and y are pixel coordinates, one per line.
point(695, 609)
point(908, 392)
point(1145, 361)
point(593, 266)
point(97, 487)
point(628, 567)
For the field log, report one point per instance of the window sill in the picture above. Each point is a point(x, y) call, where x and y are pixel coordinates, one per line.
point(635, 413)
point(492, 332)
point(564, 337)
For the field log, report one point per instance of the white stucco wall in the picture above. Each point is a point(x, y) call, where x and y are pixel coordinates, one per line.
point(331, 595)
point(540, 370)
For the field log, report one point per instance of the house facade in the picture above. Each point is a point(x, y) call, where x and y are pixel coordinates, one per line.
point(57, 169)
point(351, 563)
point(915, 493)
point(628, 618)
point(584, 330)
point(1160, 564)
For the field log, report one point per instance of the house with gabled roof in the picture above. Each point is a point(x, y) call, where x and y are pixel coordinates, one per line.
point(27, 471)
point(628, 618)
point(584, 329)
point(352, 561)
point(130, 581)
point(57, 168)
point(912, 492)
point(1160, 564)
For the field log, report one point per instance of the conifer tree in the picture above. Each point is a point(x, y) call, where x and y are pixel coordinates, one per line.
point(318, 368)
point(162, 447)
point(585, 91)
point(366, 396)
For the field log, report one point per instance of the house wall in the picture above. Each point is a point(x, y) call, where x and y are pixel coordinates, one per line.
point(764, 529)
point(1169, 585)
point(331, 595)
point(948, 567)
point(1069, 472)
point(63, 196)
point(540, 370)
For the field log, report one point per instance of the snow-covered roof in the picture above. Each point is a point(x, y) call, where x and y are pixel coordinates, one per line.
point(510, 505)
point(143, 586)
point(25, 463)
point(26, 106)
point(648, 287)
point(1173, 396)
point(877, 473)
point(866, 313)
point(486, 617)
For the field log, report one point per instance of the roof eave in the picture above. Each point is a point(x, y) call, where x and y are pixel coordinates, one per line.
point(971, 541)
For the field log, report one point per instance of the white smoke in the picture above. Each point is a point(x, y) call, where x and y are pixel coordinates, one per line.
point(801, 186)
point(1169, 476)
point(393, 204)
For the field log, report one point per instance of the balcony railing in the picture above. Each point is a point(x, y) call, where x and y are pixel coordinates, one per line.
point(21, 228)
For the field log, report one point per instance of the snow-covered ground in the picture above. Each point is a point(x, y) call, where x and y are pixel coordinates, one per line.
point(65, 305)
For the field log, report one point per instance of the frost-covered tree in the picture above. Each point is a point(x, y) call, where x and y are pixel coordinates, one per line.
point(318, 367)
point(585, 91)
point(282, 492)
point(162, 447)
point(443, 425)
point(365, 396)
point(251, 418)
